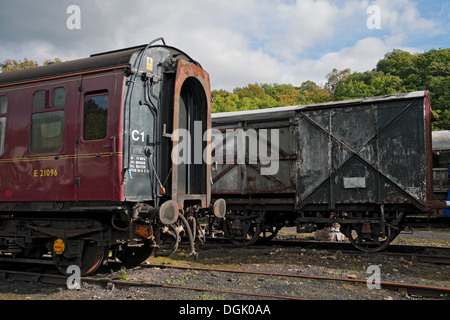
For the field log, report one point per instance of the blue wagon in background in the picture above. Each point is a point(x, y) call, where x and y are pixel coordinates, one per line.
point(441, 167)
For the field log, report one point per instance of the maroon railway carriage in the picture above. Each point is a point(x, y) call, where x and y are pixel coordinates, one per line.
point(85, 156)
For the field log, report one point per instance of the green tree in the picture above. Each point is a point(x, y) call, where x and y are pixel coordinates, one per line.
point(387, 84)
point(256, 96)
point(314, 93)
point(13, 65)
point(398, 71)
point(251, 91)
point(223, 101)
point(335, 77)
point(423, 71)
point(284, 94)
point(353, 89)
point(368, 84)
point(398, 63)
point(49, 61)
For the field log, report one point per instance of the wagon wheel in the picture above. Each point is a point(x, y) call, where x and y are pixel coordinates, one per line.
point(91, 258)
point(170, 238)
point(132, 256)
point(269, 233)
point(242, 232)
point(369, 242)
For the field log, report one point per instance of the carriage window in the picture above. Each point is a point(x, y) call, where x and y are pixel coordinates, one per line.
point(40, 99)
point(3, 108)
point(2, 134)
point(59, 97)
point(3, 105)
point(47, 131)
point(95, 120)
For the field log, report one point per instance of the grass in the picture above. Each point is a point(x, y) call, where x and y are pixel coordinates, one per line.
point(180, 281)
point(123, 274)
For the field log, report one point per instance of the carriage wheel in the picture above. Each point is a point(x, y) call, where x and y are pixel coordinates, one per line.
point(132, 256)
point(91, 258)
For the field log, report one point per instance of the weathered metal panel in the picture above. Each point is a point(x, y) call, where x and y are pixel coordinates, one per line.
point(258, 157)
point(402, 148)
point(368, 153)
point(332, 137)
point(313, 146)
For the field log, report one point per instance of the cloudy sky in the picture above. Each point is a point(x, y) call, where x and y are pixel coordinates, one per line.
point(236, 41)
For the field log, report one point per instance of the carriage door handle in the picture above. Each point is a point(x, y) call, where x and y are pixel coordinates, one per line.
point(164, 133)
point(113, 138)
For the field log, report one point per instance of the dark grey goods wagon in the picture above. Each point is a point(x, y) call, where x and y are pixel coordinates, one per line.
point(361, 163)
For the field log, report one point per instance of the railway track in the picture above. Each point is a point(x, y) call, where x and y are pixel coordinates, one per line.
point(404, 288)
point(438, 255)
point(62, 280)
point(400, 287)
point(428, 258)
point(442, 255)
point(414, 253)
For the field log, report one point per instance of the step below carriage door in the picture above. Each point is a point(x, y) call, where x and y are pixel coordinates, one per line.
point(95, 140)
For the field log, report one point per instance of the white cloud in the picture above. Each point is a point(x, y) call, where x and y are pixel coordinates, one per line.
point(237, 41)
point(363, 56)
point(402, 16)
point(306, 23)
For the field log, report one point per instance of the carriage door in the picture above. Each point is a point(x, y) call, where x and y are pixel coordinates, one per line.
point(192, 117)
point(95, 145)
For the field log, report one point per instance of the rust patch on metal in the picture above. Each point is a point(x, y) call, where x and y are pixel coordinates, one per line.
point(366, 227)
point(144, 231)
